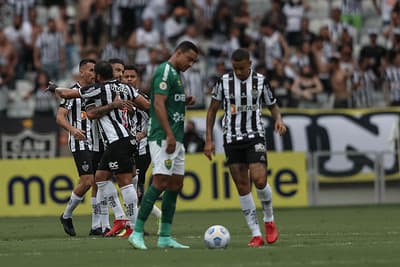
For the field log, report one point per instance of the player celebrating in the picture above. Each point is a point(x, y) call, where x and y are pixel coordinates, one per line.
point(166, 129)
point(72, 117)
point(241, 92)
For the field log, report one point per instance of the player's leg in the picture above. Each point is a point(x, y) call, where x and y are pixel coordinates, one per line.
point(238, 167)
point(96, 228)
point(257, 159)
point(174, 186)
point(83, 162)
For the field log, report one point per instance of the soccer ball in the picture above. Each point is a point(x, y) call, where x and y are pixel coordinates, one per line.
point(217, 236)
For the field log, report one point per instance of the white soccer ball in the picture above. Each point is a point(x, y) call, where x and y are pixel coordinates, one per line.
point(217, 236)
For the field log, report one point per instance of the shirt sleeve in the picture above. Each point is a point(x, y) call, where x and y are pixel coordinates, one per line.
point(66, 103)
point(161, 85)
point(269, 98)
point(90, 91)
point(217, 90)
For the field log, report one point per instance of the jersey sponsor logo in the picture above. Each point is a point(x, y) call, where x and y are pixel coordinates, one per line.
point(120, 89)
point(180, 98)
point(85, 166)
point(83, 115)
point(260, 147)
point(163, 85)
point(168, 163)
point(233, 109)
point(246, 108)
point(113, 165)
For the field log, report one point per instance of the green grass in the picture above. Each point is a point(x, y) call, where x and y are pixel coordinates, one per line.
point(335, 236)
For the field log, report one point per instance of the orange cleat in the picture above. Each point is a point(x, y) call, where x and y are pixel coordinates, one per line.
point(118, 226)
point(271, 232)
point(256, 241)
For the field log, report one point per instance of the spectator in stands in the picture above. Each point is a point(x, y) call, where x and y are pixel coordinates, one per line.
point(391, 84)
point(130, 10)
point(302, 56)
point(8, 60)
point(384, 8)
point(91, 24)
point(155, 57)
point(21, 7)
point(36, 30)
point(341, 94)
point(305, 33)
point(294, 11)
point(175, 26)
point(204, 13)
point(322, 63)
point(336, 26)
point(272, 46)
point(115, 49)
point(374, 52)
point(241, 17)
point(19, 34)
point(347, 61)
point(45, 102)
point(49, 51)
point(4, 85)
point(306, 88)
point(281, 85)
point(192, 141)
point(363, 84)
point(142, 39)
point(275, 16)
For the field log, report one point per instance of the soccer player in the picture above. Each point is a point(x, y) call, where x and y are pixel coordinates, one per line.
point(72, 117)
point(241, 92)
point(107, 101)
point(140, 122)
point(166, 129)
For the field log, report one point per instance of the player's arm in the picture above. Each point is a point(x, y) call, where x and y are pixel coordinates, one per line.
point(161, 113)
point(64, 123)
point(141, 102)
point(94, 112)
point(209, 149)
point(279, 126)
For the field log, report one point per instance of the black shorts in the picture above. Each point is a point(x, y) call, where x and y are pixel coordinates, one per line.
point(96, 159)
point(84, 162)
point(251, 151)
point(118, 157)
point(142, 164)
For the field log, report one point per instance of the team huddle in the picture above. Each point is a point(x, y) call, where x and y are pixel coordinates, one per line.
point(116, 131)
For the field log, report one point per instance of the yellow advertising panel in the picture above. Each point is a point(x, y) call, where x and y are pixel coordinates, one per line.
point(36, 187)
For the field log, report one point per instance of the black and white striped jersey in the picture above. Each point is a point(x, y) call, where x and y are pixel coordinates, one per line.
point(50, 45)
point(140, 122)
point(364, 93)
point(242, 103)
point(392, 78)
point(116, 124)
point(78, 119)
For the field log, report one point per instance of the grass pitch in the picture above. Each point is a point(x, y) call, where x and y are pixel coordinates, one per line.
point(330, 236)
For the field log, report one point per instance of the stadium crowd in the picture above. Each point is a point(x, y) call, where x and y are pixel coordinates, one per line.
point(43, 40)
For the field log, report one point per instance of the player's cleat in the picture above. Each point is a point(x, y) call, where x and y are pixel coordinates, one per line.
point(159, 226)
point(271, 232)
point(256, 241)
point(68, 226)
point(105, 231)
point(126, 232)
point(169, 242)
point(136, 240)
point(119, 225)
point(96, 231)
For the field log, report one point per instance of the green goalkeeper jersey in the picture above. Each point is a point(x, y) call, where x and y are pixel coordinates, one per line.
point(167, 81)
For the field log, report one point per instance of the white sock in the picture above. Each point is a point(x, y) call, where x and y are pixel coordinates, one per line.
point(249, 212)
point(110, 193)
point(130, 200)
point(96, 223)
point(103, 208)
point(265, 196)
point(156, 211)
point(73, 202)
point(135, 181)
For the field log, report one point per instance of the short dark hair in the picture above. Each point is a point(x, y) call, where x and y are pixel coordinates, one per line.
point(240, 54)
point(186, 46)
point(116, 61)
point(104, 69)
point(86, 61)
point(132, 67)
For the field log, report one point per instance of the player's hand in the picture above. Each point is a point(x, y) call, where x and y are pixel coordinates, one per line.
point(209, 150)
point(140, 136)
point(171, 144)
point(280, 127)
point(78, 134)
point(128, 105)
point(51, 87)
point(190, 100)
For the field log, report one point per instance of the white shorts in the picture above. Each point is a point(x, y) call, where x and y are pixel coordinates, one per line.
point(164, 163)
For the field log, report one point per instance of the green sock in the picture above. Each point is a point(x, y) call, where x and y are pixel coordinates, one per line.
point(168, 211)
point(148, 200)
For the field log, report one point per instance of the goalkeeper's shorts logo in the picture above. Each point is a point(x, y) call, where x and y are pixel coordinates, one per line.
point(168, 163)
